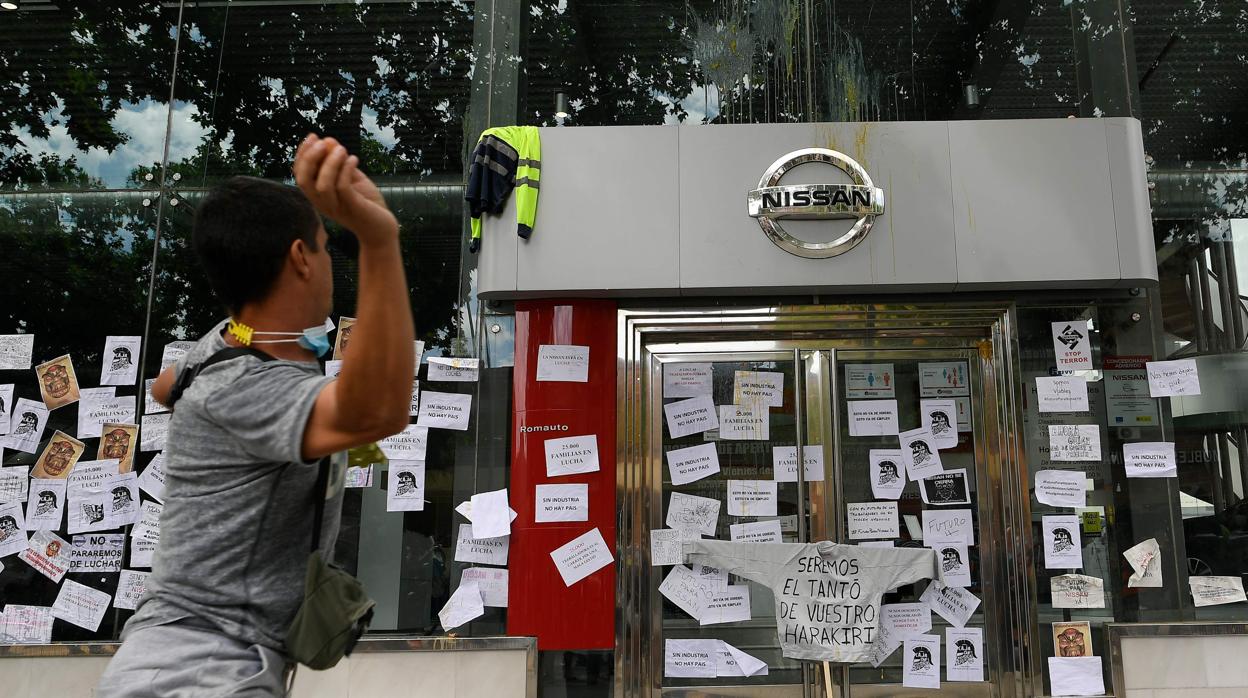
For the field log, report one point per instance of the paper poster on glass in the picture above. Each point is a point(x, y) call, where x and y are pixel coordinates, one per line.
point(944, 489)
point(1063, 549)
point(1127, 399)
point(944, 379)
point(870, 381)
point(941, 419)
point(887, 473)
point(965, 650)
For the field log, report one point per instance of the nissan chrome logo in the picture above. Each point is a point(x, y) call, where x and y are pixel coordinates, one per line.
point(771, 202)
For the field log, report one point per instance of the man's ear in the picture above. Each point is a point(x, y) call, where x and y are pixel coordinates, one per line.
point(298, 259)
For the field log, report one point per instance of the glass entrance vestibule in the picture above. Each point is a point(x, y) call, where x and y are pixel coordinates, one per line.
point(836, 385)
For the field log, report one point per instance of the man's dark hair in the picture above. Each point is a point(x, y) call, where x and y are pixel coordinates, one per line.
point(243, 231)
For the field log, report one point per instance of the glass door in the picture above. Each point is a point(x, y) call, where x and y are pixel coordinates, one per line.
point(711, 436)
point(737, 481)
point(895, 413)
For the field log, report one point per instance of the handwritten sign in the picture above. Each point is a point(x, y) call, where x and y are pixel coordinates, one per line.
point(690, 512)
point(1061, 394)
point(1077, 591)
point(1178, 377)
point(951, 524)
point(16, 351)
point(872, 520)
point(1075, 442)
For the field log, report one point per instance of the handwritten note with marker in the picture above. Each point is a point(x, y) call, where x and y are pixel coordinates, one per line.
point(872, 520)
point(1179, 377)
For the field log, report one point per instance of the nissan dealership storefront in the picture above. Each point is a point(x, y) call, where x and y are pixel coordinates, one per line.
point(950, 288)
point(850, 263)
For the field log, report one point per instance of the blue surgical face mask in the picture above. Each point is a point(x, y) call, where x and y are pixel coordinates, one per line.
point(314, 339)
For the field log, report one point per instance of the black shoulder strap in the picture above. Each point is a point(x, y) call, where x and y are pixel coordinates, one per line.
point(318, 505)
point(188, 376)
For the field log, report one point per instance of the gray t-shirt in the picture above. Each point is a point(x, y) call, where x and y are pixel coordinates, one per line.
point(236, 529)
point(827, 594)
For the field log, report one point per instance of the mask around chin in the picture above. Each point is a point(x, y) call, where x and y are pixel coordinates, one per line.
point(316, 340)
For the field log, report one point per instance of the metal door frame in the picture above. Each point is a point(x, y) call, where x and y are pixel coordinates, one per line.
point(798, 331)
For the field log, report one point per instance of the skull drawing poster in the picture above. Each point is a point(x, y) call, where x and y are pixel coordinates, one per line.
point(120, 361)
point(117, 443)
point(1072, 639)
point(57, 382)
point(26, 425)
point(58, 457)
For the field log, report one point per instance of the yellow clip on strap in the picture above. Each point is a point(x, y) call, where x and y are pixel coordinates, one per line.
point(239, 331)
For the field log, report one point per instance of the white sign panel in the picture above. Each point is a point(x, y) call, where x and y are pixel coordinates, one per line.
point(784, 463)
point(693, 463)
point(1061, 488)
point(758, 388)
point(410, 444)
point(1061, 394)
point(692, 416)
point(561, 503)
point(872, 417)
point(922, 457)
point(483, 551)
point(689, 512)
point(120, 362)
point(563, 362)
point(752, 498)
point(453, 370)
point(1150, 459)
point(749, 422)
point(888, 473)
point(687, 380)
point(944, 379)
point(571, 455)
point(445, 410)
point(870, 380)
point(581, 557)
point(1071, 347)
point(940, 417)
point(1063, 548)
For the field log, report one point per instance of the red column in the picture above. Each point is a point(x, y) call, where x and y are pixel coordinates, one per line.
point(581, 616)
